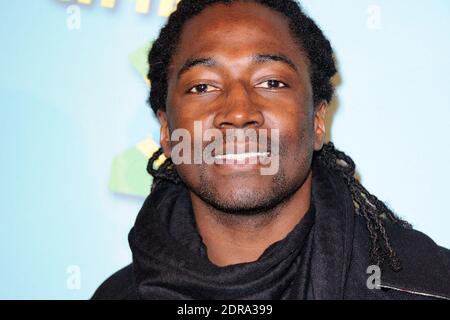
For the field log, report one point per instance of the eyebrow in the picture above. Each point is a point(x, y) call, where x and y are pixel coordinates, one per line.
point(256, 59)
point(190, 63)
point(268, 57)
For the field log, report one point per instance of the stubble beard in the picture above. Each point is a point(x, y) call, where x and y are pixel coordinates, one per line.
point(252, 201)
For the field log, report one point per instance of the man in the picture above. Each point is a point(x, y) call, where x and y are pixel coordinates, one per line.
point(224, 230)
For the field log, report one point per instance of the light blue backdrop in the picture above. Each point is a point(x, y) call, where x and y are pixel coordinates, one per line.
point(70, 101)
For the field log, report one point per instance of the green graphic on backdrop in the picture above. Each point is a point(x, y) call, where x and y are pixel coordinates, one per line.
point(128, 171)
point(138, 60)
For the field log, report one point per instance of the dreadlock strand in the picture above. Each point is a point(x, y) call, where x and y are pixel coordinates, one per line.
point(165, 172)
point(374, 211)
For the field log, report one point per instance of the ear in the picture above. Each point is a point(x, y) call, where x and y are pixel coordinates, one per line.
point(319, 125)
point(164, 133)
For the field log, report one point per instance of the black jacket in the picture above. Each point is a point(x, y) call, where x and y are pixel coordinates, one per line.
point(425, 270)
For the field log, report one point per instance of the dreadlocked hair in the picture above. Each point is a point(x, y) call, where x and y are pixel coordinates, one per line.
point(374, 211)
point(316, 47)
point(165, 172)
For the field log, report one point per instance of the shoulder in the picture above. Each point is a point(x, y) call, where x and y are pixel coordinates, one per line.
point(119, 286)
point(420, 255)
point(414, 247)
point(425, 265)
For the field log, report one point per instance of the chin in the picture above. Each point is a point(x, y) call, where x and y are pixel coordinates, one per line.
point(241, 197)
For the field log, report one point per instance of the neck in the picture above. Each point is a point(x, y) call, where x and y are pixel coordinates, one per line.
point(232, 239)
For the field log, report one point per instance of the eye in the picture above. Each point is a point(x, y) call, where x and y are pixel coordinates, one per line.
point(202, 88)
point(272, 84)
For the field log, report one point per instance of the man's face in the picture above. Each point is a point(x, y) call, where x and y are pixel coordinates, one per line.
point(249, 73)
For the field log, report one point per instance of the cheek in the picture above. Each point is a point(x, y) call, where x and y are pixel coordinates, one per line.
point(188, 172)
point(291, 112)
point(296, 146)
point(295, 127)
point(187, 116)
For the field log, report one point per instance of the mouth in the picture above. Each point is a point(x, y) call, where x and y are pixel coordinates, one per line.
point(242, 157)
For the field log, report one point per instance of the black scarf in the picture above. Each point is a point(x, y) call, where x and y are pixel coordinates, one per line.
point(170, 260)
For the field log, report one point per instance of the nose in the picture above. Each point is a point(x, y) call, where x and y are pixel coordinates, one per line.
point(238, 111)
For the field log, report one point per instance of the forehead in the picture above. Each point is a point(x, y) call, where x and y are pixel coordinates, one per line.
point(241, 28)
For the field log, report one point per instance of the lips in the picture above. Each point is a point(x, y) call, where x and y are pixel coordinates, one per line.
point(232, 148)
point(241, 156)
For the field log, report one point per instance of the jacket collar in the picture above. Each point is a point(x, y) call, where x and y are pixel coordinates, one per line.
point(333, 239)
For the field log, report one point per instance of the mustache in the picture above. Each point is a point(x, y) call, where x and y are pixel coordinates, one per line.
point(240, 140)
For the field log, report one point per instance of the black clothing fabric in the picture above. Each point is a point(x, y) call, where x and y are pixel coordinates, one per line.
point(170, 259)
point(326, 256)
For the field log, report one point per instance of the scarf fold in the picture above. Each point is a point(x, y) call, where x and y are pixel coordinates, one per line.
point(170, 260)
